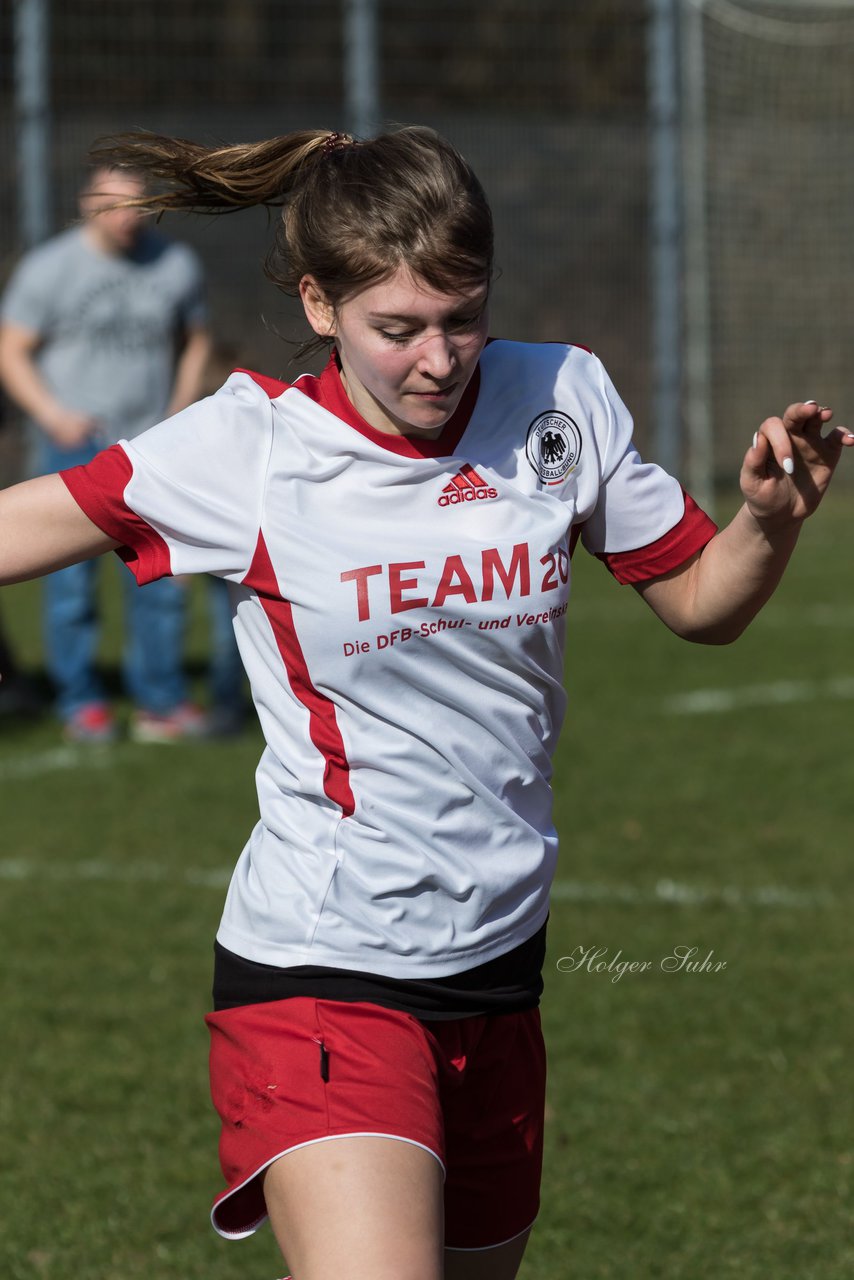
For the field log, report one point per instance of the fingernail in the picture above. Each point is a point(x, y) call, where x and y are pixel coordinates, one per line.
point(810, 402)
point(755, 439)
point(788, 466)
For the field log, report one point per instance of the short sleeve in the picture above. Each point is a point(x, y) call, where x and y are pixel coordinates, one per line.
point(27, 298)
point(644, 524)
point(185, 496)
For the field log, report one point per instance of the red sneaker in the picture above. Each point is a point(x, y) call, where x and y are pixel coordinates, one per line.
point(178, 725)
point(91, 724)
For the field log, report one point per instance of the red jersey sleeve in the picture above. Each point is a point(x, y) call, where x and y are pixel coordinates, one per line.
point(98, 488)
point(666, 553)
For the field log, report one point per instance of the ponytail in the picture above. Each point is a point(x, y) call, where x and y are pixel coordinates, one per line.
point(187, 176)
point(352, 212)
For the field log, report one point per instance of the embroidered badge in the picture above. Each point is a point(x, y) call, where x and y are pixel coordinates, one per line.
point(553, 446)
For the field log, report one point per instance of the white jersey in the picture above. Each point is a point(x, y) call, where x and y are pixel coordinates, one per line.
point(400, 608)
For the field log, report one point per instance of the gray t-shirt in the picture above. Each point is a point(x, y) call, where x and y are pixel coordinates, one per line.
point(111, 326)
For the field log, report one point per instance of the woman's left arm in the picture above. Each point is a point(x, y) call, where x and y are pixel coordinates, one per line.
point(786, 471)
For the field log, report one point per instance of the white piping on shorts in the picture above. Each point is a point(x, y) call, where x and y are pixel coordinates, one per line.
point(312, 1142)
point(484, 1248)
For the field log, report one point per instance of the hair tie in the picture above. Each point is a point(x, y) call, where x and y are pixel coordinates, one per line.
point(334, 140)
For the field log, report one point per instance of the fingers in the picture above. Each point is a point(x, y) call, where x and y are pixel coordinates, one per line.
point(773, 440)
point(806, 415)
point(842, 436)
point(771, 443)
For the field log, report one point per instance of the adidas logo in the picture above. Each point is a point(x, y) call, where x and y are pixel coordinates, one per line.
point(466, 486)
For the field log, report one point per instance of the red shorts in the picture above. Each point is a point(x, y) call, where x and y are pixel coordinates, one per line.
point(469, 1090)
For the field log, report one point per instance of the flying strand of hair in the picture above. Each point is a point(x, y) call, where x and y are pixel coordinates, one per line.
point(195, 178)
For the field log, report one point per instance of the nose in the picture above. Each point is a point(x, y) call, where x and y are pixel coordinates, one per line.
point(438, 357)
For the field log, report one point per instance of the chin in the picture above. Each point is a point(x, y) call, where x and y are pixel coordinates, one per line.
point(433, 415)
point(436, 423)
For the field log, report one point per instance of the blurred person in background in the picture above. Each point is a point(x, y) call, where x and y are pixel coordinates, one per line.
point(396, 538)
point(103, 332)
point(18, 694)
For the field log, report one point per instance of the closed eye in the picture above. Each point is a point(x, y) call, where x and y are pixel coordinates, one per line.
point(456, 324)
point(397, 337)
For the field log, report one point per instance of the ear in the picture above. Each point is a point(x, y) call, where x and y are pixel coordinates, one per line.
point(319, 311)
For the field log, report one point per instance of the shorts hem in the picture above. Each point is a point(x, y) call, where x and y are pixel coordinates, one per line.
point(252, 1227)
point(482, 1248)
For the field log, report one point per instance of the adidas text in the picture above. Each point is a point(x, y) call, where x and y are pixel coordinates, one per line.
point(466, 495)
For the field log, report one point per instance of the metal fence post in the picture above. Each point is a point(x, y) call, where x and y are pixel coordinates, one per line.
point(665, 233)
point(361, 67)
point(32, 119)
point(698, 376)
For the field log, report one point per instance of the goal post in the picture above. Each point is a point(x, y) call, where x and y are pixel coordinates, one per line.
point(767, 123)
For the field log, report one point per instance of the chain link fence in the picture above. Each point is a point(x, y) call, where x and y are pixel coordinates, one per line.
point(551, 103)
point(777, 125)
point(547, 102)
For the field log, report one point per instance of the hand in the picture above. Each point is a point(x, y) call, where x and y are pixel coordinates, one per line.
point(790, 464)
point(69, 429)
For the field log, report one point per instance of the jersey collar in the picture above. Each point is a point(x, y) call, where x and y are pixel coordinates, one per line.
point(328, 391)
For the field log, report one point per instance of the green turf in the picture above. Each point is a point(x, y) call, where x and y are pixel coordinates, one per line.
point(700, 1123)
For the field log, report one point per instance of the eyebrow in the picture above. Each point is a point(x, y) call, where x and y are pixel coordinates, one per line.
point(474, 305)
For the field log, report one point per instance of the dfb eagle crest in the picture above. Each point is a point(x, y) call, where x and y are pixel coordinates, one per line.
point(553, 446)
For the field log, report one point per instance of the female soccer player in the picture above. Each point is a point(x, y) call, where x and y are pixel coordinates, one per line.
point(396, 535)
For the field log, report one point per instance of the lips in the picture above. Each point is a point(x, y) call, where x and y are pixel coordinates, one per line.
point(438, 393)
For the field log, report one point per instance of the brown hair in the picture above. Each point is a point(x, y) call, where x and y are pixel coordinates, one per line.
point(352, 212)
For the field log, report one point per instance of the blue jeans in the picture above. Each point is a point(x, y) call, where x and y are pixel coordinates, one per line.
point(225, 673)
point(155, 623)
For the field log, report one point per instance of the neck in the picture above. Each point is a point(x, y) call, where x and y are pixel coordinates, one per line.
point(98, 241)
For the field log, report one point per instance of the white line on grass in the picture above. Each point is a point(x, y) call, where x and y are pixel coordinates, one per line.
point(113, 872)
point(664, 891)
point(15, 769)
point(704, 701)
point(692, 895)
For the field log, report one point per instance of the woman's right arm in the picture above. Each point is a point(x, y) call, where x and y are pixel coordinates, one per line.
point(42, 528)
point(23, 383)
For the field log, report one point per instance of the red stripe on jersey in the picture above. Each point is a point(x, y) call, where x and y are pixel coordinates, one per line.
point(98, 489)
point(476, 481)
point(670, 551)
point(322, 722)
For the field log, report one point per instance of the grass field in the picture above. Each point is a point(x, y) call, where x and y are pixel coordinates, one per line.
point(700, 1122)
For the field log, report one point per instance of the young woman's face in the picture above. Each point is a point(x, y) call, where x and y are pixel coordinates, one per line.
point(407, 352)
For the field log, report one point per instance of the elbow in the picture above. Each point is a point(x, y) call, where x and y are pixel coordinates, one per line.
point(712, 634)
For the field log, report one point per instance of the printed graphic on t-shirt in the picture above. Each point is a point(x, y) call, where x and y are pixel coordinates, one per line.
point(515, 584)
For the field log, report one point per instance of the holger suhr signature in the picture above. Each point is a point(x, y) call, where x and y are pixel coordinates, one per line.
point(681, 959)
